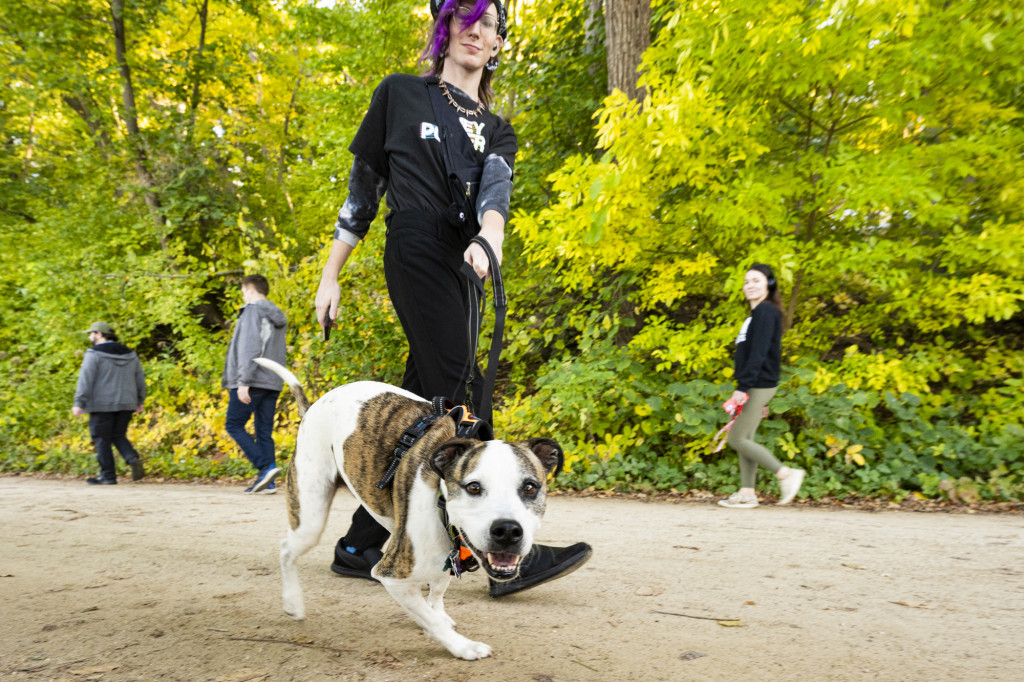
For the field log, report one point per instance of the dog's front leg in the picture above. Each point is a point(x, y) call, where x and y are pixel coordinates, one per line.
point(435, 623)
point(435, 597)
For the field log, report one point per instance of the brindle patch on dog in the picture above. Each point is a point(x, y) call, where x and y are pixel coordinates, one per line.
point(399, 558)
point(292, 491)
point(382, 420)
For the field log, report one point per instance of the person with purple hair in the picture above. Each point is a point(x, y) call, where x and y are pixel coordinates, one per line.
point(422, 140)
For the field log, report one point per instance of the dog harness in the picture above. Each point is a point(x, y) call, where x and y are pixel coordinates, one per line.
point(467, 425)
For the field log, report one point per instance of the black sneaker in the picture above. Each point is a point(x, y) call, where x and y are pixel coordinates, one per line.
point(99, 480)
point(543, 564)
point(138, 473)
point(355, 565)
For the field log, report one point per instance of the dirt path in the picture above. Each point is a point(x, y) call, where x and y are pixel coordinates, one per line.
point(180, 582)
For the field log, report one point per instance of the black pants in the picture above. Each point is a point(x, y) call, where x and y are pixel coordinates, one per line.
point(432, 298)
point(110, 429)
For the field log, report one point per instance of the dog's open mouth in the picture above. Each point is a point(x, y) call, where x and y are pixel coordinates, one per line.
point(503, 565)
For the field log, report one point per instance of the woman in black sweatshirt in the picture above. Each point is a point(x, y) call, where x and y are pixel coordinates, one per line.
point(757, 360)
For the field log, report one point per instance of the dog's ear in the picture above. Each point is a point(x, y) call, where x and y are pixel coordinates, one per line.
point(449, 451)
point(548, 452)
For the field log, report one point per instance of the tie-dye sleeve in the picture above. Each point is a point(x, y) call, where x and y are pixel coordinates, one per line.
point(495, 188)
point(365, 189)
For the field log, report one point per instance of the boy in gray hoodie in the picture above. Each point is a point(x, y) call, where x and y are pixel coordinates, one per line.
point(111, 387)
point(253, 390)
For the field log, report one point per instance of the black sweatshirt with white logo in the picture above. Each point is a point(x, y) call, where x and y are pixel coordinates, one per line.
point(759, 349)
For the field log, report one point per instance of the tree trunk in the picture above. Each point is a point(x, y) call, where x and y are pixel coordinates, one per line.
point(131, 118)
point(628, 33)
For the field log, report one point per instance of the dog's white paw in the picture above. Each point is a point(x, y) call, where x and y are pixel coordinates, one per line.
point(469, 650)
point(296, 611)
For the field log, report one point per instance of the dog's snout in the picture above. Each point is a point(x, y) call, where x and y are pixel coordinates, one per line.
point(506, 532)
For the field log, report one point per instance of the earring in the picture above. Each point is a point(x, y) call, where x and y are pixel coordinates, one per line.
point(492, 63)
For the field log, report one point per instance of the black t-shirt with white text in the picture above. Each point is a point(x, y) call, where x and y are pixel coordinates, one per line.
point(399, 139)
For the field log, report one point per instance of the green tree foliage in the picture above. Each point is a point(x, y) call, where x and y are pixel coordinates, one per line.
point(155, 151)
point(871, 151)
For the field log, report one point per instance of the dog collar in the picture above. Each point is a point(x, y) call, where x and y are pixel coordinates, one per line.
point(460, 560)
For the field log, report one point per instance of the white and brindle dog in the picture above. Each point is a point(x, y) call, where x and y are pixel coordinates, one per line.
point(494, 493)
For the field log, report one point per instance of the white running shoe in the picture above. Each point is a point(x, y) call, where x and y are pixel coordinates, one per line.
point(738, 501)
point(790, 485)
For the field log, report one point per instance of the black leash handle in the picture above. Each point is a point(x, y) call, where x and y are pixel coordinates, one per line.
point(500, 309)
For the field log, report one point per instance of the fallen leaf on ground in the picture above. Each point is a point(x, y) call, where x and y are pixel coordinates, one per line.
point(856, 567)
point(732, 623)
point(690, 655)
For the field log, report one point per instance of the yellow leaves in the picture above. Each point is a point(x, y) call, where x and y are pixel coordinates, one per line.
point(852, 453)
point(811, 45)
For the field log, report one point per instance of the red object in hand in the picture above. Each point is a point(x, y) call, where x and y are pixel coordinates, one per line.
point(732, 406)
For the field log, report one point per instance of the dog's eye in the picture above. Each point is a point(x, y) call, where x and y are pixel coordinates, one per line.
point(474, 488)
point(530, 489)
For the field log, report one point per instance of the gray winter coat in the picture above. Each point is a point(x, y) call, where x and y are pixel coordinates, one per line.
point(111, 379)
point(259, 333)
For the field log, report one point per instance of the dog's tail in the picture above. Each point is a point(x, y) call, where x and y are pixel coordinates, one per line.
point(293, 383)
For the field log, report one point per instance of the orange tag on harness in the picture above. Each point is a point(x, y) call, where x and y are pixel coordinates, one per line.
point(464, 552)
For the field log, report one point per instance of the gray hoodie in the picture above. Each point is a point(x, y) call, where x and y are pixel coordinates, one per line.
point(111, 379)
point(259, 333)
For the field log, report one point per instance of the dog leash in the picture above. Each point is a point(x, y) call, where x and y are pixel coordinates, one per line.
point(733, 408)
point(475, 314)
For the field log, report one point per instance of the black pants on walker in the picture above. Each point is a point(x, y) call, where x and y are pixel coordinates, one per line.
point(110, 430)
point(422, 257)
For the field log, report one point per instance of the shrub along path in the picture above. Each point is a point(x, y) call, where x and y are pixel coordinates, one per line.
point(180, 582)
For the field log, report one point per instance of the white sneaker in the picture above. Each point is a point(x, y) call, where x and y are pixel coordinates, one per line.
point(790, 485)
point(738, 501)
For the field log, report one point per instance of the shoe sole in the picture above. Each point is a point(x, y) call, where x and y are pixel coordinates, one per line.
point(744, 505)
point(502, 589)
point(266, 480)
point(138, 473)
point(265, 491)
point(351, 573)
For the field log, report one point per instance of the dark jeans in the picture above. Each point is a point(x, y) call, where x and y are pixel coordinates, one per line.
point(431, 297)
point(261, 407)
point(110, 429)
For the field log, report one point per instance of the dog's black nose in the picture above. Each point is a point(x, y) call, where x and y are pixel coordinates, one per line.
point(505, 532)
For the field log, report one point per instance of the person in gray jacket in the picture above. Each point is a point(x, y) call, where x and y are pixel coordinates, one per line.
point(253, 390)
point(111, 387)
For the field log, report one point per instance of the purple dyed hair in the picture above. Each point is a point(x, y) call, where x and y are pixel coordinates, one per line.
point(437, 44)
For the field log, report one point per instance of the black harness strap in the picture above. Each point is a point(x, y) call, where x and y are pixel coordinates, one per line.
point(467, 425)
point(409, 437)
